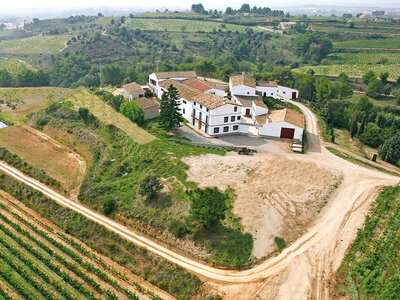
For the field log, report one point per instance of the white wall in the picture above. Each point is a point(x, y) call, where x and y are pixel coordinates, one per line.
point(258, 110)
point(287, 92)
point(267, 91)
point(274, 130)
point(243, 90)
point(130, 96)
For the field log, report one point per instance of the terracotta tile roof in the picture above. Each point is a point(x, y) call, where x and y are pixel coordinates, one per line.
point(261, 120)
point(242, 80)
point(133, 88)
point(247, 101)
point(184, 90)
point(212, 101)
point(287, 115)
point(146, 103)
point(260, 104)
point(267, 84)
point(197, 84)
point(176, 74)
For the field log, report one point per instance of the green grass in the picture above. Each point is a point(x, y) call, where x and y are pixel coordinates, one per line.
point(13, 66)
point(34, 45)
point(389, 43)
point(373, 260)
point(181, 25)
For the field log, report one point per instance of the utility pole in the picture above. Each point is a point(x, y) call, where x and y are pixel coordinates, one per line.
point(100, 72)
point(158, 64)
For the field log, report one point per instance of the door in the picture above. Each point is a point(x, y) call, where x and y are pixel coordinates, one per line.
point(287, 133)
point(247, 111)
point(199, 125)
point(294, 95)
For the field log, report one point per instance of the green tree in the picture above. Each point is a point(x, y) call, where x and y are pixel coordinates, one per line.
point(368, 77)
point(170, 117)
point(306, 87)
point(207, 206)
point(150, 186)
point(364, 104)
point(343, 77)
point(205, 67)
point(112, 74)
point(384, 77)
point(390, 150)
point(344, 90)
point(374, 88)
point(132, 111)
point(83, 112)
point(372, 135)
point(396, 94)
point(6, 79)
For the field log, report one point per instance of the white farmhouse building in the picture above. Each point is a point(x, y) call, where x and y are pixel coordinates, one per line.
point(283, 123)
point(155, 79)
point(133, 91)
point(272, 89)
point(242, 85)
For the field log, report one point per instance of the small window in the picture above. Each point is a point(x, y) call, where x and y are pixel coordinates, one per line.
point(184, 101)
point(284, 92)
point(201, 106)
point(233, 119)
point(226, 128)
point(207, 119)
point(207, 109)
point(248, 93)
point(235, 127)
point(235, 108)
point(238, 118)
point(226, 119)
point(216, 130)
point(183, 111)
point(194, 103)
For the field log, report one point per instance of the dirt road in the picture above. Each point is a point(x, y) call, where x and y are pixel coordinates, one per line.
point(303, 269)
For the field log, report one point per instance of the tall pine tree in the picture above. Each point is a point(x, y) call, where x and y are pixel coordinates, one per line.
point(170, 116)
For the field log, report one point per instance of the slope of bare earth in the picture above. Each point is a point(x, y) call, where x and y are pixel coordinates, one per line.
point(276, 196)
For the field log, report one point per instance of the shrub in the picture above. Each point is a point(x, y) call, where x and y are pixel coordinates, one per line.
point(150, 186)
point(390, 150)
point(372, 135)
point(108, 206)
point(132, 111)
point(177, 228)
point(280, 242)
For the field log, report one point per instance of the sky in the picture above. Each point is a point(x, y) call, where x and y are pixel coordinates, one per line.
point(219, 4)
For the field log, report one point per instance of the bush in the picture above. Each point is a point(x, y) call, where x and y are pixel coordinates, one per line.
point(177, 228)
point(150, 186)
point(372, 136)
point(280, 242)
point(132, 111)
point(108, 206)
point(390, 150)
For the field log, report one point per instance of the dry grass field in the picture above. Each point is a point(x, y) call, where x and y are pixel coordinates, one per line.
point(108, 115)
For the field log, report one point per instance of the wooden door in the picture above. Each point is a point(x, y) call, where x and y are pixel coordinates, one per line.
point(294, 95)
point(287, 133)
point(247, 111)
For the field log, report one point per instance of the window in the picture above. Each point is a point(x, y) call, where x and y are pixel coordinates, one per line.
point(200, 115)
point(238, 118)
point(201, 106)
point(235, 127)
point(184, 101)
point(235, 108)
point(207, 119)
point(284, 92)
point(194, 103)
point(226, 119)
point(207, 109)
point(183, 111)
point(226, 128)
point(233, 119)
point(194, 112)
point(248, 93)
point(216, 130)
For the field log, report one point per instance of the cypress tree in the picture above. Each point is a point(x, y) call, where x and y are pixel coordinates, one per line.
point(170, 116)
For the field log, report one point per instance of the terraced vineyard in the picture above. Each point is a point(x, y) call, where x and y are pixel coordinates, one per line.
point(181, 25)
point(390, 43)
point(40, 261)
point(13, 66)
point(36, 44)
point(392, 57)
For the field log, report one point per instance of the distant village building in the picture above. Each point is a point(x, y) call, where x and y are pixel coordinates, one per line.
point(286, 25)
point(133, 91)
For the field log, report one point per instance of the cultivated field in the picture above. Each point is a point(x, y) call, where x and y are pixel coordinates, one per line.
point(356, 71)
point(28, 100)
point(42, 152)
point(181, 25)
point(13, 66)
point(36, 44)
point(108, 115)
point(390, 43)
point(358, 28)
point(38, 260)
point(387, 58)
